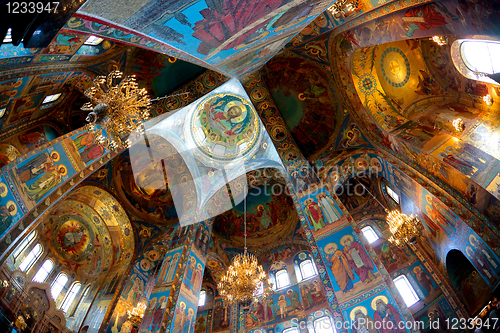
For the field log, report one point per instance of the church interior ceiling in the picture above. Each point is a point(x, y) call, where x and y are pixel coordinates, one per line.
point(366, 97)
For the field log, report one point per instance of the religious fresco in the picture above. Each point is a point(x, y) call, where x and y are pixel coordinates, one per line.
point(84, 147)
point(221, 316)
point(185, 315)
point(138, 191)
point(426, 287)
point(391, 256)
point(194, 27)
point(304, 96)
point(374, 310)
point(191, 283)
point(10, 89)
point(225, 126)
point(472, 288)
point(36, 177)
point(9, 209)
point(134, 290)
point(350, 136)
point(269, 217)
point(202, 323)
point(169, 266)
point(154, 312)
point(349, 264)
point(323, 213)
point(119, 320)
point(33, 137)
point(439, 311)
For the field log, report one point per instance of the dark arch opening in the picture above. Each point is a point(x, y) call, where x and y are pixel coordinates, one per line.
point(468, 283)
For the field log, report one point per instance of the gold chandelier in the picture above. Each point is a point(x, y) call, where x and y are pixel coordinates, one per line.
point(404, 228)
point(243, 282)
point(135, 316)
point(116, 108)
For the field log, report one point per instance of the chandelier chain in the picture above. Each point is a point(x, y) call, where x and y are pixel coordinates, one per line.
point(168, 96)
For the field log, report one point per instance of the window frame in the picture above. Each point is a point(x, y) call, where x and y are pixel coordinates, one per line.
point(292, 330)
point(33, 260)
point(393, 195)
point(466, 62)
point(82, 298)
point(204, 293)
point(333, 330)
point(48, 272)
point(69, 299)
point(51, 98)
point(56, 282)
point(369, 228)
point(281, 272)
point(94, 41)
point(24, 244)
point(410, 288)
point(315, 271)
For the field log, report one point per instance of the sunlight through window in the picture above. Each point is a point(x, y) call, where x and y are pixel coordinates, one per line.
point(203, 297)
point(58, 285)
point(70, 297)
point(282, 280)
point(369, 234)
point(31, 258)
point(481, 56)
point(406, 290)
point(44, 271)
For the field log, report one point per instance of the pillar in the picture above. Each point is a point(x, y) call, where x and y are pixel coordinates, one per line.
point(331, 232)
point(173, 302)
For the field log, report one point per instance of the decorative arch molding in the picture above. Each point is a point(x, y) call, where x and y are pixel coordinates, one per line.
point(460, 63)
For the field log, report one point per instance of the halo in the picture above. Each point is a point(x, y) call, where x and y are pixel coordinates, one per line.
point(472, 237)
point(18, 83)
point(4, 193)
point(345, 238)
point(417, 268)
point(331, 248)
point(307, 201)
point(353, 311)
point(58, 157)
point(162, 298)
point(65, 172)
point(182, 305)
point(14, 212)
point(153, 299)
point(199, 266)
point(467, 249)
point(374, 301)
point(428, 198)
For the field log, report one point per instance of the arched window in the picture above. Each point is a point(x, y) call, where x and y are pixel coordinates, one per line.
point(85, 293)
point(474, 58)
point(70, 296)
point(31, 258)
point(369, 234)
point(394, 196)
point(27, 241)
point(44, 271)
point(203, 297)
point(58, 285)
point(322, 325)
point(282, 279)
point(406, 290)
point(481, 56)
point(307, 269)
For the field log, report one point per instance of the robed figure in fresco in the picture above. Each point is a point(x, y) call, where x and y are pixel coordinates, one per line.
point(340, 268)
point(314, 213)
point(45, 184)
point(358, 259)
point(5, 216)
point(36, 166)
point(385, 313)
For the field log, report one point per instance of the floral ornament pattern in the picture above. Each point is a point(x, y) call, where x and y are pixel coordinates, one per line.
point(367, 84)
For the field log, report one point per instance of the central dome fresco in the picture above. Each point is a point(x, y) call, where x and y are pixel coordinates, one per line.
point(225, 126)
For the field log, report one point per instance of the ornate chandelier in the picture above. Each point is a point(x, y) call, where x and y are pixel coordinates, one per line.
point(459, 125)
point(244, 280)
point(404, 228)
point(135, 316)
point(117, 109)
point(440, 40)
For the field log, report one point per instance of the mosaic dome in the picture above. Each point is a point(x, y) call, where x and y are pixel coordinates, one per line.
point(225, 126)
